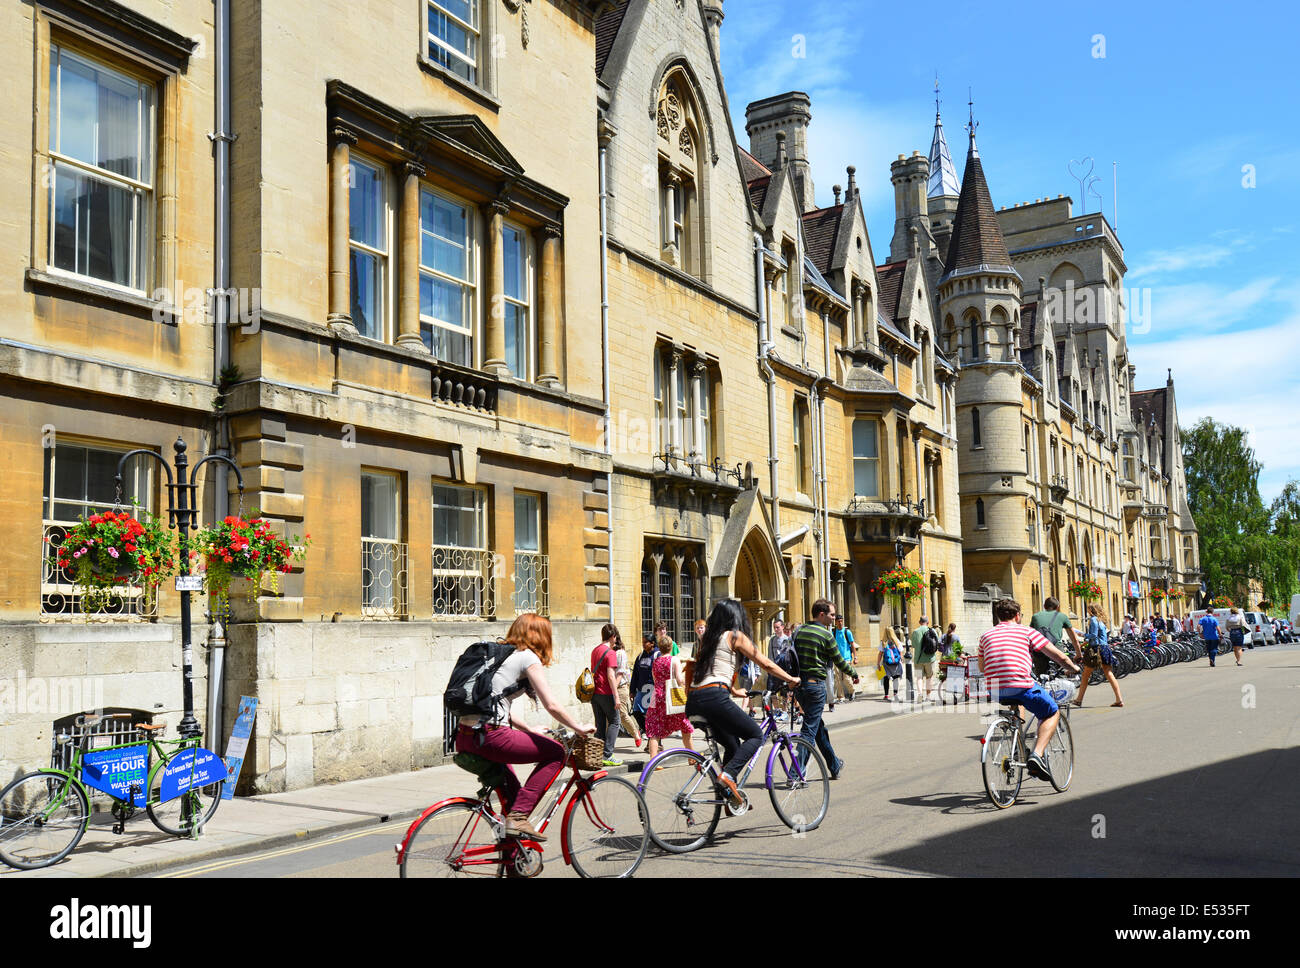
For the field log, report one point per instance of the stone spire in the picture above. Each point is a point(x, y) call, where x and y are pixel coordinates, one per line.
point(943, 174)
point(976, 237)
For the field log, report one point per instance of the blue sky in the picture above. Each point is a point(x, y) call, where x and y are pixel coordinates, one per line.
point(1185, 96)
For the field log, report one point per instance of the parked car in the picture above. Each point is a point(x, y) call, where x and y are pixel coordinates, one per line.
point(1261, 628)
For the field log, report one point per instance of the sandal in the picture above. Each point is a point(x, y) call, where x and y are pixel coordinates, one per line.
point(1115, 705)
point(1077, 702)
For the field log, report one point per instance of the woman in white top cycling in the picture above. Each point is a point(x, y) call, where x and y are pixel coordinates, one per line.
point(506, 738)
point(725, 644)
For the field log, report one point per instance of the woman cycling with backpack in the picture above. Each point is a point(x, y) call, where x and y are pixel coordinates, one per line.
point(727, 643)
point(505, 738)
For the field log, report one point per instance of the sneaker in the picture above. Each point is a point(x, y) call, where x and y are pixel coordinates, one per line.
point(517, 825)
point(1037, 767)
point(733, 794)
point(612, 763)
point(839, 768)
point(638, 742)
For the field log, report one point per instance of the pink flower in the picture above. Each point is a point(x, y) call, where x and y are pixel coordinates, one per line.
point(113, 552)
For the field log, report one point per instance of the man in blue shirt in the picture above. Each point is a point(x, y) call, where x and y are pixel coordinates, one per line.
point(1210, 632)
point(849, 653)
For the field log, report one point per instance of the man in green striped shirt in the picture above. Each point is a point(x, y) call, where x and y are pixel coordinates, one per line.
point(815, 645)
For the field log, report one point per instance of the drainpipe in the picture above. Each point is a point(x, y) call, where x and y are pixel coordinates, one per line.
point(605, 133)
point(814, 411)
point(221, 141)
point(826, 512)
point(764, 351)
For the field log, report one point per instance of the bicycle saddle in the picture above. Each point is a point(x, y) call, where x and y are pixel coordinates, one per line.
point(145, 727)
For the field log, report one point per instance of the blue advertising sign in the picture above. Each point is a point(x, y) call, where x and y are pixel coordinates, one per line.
point(190, 769)
point(238, 745)
point(115, 771)
point(1134, 591)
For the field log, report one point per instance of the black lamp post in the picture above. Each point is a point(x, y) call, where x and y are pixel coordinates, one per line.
point(182, 514)
point(900, 549)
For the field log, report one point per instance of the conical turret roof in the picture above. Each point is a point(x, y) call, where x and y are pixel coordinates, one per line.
point(976, 238)
point(943, 174)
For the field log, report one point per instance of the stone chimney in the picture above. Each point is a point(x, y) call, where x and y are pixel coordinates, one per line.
point(789, 114)
point(910, 177)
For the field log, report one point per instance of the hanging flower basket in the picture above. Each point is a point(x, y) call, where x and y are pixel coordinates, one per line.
point(1174, 593)
point(244, 548)
point(1222, 601)
point(904, 582)
point(1089, 591)
point(110, 550)
point(1158, 595)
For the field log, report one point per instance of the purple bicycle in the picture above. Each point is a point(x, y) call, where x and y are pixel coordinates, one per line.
point(685, 801)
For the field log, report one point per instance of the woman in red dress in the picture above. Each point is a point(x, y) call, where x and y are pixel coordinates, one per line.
point(657, 725)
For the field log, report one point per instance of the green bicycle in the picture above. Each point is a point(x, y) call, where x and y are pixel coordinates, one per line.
point(45, 813)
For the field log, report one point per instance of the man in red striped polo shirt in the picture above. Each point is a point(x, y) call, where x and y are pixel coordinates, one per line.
point(1007, 667)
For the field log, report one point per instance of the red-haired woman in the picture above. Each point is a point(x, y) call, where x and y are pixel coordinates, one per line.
point(505, 738)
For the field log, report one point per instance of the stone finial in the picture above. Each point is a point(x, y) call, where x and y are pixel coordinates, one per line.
point(853, 183)
point(836, 189)
point(781, 157)
point(915, 240)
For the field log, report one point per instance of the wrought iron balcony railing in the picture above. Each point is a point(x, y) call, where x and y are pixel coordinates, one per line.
point(901, 507)
point(532, 585)
point(715, 472)
point(383, 579)
point(464, 582)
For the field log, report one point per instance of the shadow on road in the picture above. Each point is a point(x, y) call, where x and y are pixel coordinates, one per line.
point(1231, 818)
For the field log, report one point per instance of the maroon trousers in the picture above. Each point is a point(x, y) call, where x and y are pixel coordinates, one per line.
point(507, 745)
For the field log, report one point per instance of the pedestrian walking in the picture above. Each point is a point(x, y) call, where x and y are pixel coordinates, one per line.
point(1097, 654)
point(1236, 631)
point(642, 685)
point(890, 658)
point(623, 673)
point(1053, 624)
point(815, 646)
point(659, 724)
point(604, 703)
point(844, 641)
point(949, 641)
point(1210, 633)
point(925, 646)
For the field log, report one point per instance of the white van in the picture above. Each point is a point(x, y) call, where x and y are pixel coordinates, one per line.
point(1295, 611)
point(1220, 616)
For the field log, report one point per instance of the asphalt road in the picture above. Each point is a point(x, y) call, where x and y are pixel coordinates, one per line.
point(1197, 776)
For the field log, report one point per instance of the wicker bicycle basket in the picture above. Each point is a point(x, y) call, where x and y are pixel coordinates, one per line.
point(588, 752)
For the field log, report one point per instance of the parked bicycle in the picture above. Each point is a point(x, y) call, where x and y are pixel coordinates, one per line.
point(686, 800)
point(1004, 750)
point(603, 832)
point(45, 813)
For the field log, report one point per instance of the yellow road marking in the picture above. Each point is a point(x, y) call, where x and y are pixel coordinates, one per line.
point(253, 858)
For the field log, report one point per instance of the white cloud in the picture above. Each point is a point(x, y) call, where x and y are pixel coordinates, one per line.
point(1202, 307)
point(1180, 260)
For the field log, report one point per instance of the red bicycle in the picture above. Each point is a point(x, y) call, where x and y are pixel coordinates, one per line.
point(603, 833)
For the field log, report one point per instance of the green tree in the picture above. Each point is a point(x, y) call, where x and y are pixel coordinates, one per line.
point(1281, 579)
point(1223, 494)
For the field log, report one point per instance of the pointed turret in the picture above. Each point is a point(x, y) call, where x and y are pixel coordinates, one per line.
point(943, 174)
point(977, 241)
point(943, 189)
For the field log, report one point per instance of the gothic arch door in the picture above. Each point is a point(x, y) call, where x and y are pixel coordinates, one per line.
point(756, 582)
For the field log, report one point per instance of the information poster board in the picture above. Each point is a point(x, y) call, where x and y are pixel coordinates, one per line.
point(238, 746)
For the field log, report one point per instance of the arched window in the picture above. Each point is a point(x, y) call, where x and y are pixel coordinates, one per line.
point(975, 428)
point(667, 601)
point(979, 512)
point(677, 123)
point(687, 583)
point(647, 600)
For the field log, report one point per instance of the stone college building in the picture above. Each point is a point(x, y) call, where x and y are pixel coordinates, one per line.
point(498, 307)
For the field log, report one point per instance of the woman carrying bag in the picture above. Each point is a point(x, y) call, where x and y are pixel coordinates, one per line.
point(1236, 631)
point(661, 721)
point(1097, 654)
point(889, 664)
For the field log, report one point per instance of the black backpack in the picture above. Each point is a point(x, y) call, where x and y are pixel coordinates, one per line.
point(469, 691)
point(788, 660)
point(930, 641)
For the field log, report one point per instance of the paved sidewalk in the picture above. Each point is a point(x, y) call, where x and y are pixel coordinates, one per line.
point(248, 824)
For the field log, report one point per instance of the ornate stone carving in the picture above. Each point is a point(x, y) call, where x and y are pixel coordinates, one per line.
point(684, 142)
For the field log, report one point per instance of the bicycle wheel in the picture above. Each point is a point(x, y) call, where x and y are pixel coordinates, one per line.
point(42, 817)
point(180, 815)
point(1059, 754)
point(682, 807)
point(1003, 748)
point(455, 840)
point(605, 829)
point(801, 795)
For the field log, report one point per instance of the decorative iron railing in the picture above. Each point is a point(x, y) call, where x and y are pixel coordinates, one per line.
point(464, 582)
point(61, 602)
point(891, 507)
point(716, 472)
point(383, 579)
point(532, 586)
